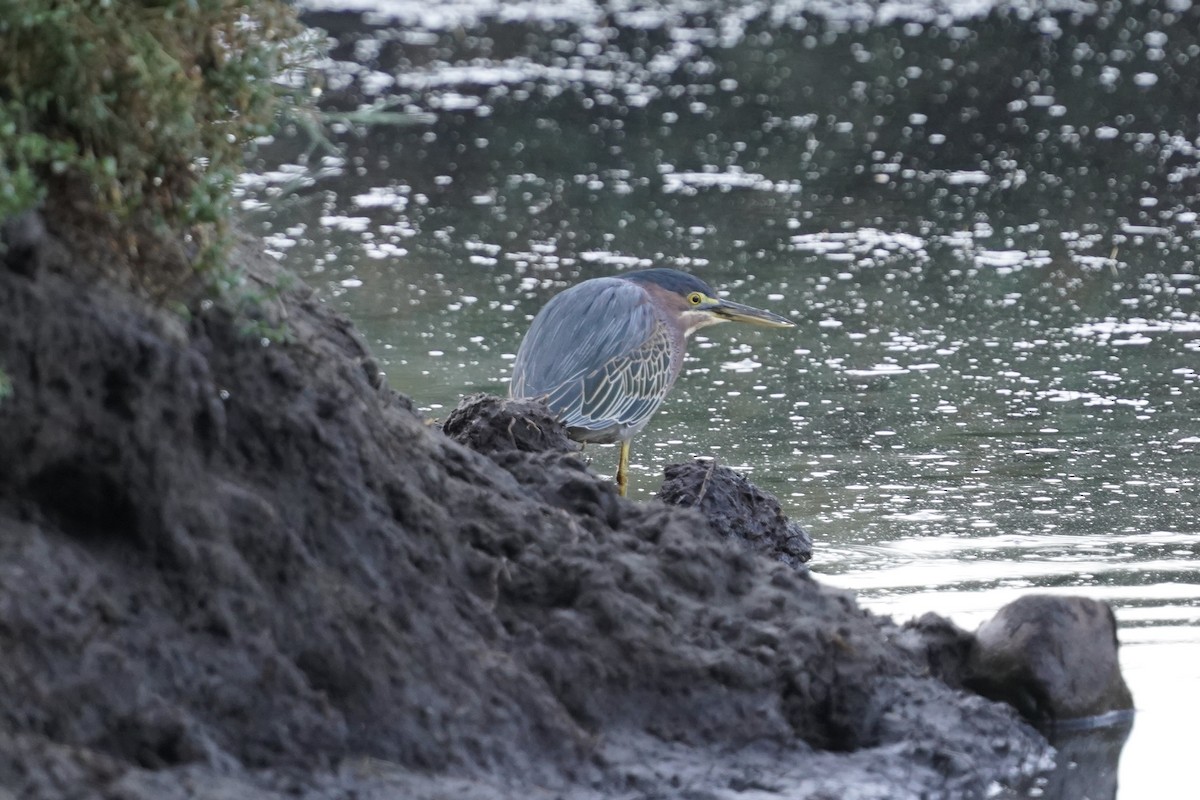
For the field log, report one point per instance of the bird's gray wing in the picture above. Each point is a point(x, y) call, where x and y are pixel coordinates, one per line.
point(599, 356)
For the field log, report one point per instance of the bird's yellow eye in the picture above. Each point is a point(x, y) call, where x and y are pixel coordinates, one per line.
point(695, 298)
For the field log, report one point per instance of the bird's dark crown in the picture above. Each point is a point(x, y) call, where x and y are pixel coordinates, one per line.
point(672, 280)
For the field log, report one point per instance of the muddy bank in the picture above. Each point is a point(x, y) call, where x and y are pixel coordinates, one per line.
point(229, 565)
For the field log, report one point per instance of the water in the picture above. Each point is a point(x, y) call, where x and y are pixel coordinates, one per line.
point(983, 218)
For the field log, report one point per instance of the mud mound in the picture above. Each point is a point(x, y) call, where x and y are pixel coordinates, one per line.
point(489, 425)
point(229, 568)
point(737, 509)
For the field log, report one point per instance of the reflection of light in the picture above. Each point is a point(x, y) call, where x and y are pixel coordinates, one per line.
point(971, 177)
point(878, 370)
point(1110, 327)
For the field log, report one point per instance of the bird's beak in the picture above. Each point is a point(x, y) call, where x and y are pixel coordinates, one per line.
point(736, 312)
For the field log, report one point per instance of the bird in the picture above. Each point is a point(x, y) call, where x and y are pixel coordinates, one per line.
point(603, 354)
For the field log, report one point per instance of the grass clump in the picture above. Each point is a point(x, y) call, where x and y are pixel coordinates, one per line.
point(129, 118)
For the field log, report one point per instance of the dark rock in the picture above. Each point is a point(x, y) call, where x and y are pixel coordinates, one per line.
point(230, 570)
point(737, 509)
point(1053, 658)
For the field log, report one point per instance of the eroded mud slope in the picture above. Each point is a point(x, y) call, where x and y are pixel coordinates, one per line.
point(230, 563)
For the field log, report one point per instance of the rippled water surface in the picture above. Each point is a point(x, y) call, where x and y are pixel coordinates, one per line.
point(983, 222)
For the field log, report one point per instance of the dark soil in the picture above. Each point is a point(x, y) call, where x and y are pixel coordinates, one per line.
point(234, 567)
point(737, 509)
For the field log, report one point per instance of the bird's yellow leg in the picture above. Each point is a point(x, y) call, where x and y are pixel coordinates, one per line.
point(623, 469)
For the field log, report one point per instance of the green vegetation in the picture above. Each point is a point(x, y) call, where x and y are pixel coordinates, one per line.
point(5, 385)
point(131, 117)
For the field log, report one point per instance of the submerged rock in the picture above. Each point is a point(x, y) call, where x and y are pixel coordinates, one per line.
point(230, 569)
point(737, 509)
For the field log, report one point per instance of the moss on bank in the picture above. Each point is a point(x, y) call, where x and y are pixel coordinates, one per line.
point(128, 120)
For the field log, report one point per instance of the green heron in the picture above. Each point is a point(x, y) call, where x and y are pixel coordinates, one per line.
point(603, 354)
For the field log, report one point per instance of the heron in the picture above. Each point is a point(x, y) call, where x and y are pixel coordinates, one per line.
point(603, 354)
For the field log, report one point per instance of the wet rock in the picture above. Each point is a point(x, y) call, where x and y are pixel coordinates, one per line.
point(1053, 658)
point(737, 509)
